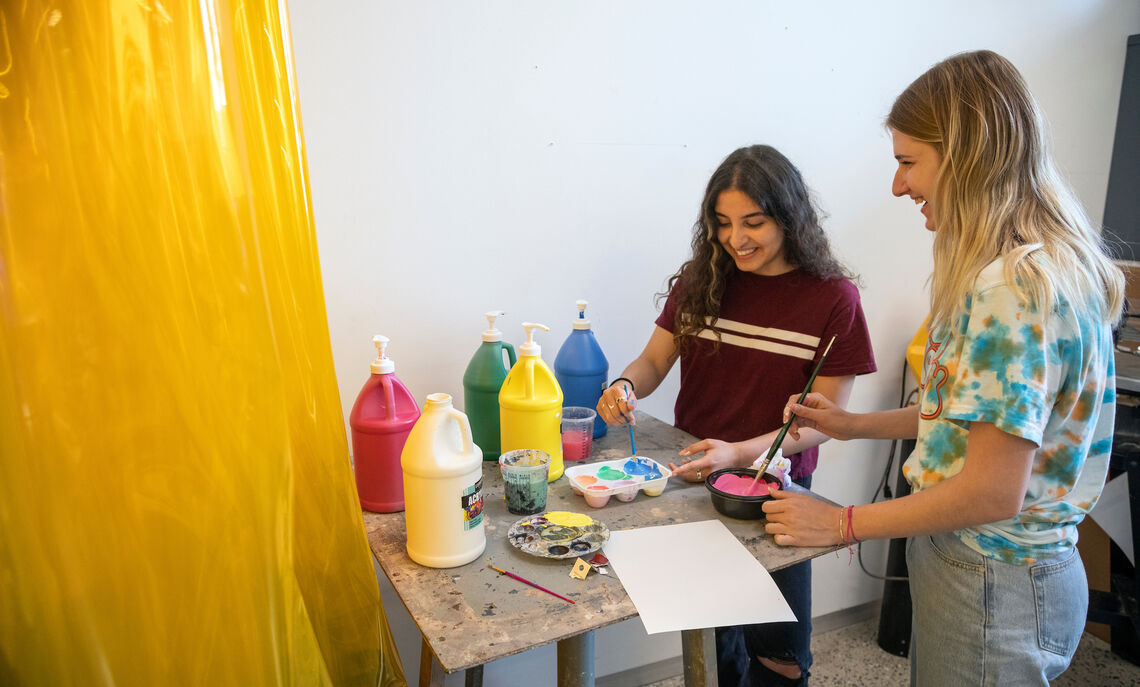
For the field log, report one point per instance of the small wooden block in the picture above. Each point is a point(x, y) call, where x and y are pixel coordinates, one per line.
point(580, 570)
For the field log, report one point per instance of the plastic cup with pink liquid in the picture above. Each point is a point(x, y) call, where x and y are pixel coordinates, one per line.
point(577, 432)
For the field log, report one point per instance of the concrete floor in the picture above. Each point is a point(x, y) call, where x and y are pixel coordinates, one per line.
point(850, 656)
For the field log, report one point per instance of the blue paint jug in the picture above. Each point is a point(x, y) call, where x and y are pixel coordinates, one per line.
point(582, 368)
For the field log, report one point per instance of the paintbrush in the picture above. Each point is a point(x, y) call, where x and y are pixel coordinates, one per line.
point(792, 416)
point(632, 445)
point(526, 581)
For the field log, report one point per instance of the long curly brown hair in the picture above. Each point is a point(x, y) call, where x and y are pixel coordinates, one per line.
point(772, 182)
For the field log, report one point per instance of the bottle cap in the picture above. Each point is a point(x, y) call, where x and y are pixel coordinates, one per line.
point(530, 347)
point(581, 322)
point(490, 333)
point(382, 365)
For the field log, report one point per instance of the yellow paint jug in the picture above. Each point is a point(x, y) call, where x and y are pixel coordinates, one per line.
point(443, 487)
point(530, 404)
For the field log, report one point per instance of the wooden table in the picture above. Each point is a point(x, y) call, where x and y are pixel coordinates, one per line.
point(471, 615)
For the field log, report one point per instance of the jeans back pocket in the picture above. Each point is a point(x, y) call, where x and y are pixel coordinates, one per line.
point(1061, 592)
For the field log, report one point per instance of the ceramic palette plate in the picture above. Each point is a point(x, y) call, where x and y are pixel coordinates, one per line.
point(558, 535)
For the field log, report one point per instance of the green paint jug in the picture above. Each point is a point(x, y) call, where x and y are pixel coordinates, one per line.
point(481, 383)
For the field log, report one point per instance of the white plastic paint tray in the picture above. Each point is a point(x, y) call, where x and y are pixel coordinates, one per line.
point(597, 482)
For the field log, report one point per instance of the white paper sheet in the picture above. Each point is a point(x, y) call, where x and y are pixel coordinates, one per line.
point(1114, 516)
point(693, 575)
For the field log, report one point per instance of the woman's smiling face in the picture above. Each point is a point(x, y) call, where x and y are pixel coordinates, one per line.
point(753, 239)
point(915, 177)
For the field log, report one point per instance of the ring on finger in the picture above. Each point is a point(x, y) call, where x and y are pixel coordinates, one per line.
point(698, 475)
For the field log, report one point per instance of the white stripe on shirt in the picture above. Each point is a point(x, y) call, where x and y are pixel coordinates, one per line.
point(770, 332)
point(759, 344)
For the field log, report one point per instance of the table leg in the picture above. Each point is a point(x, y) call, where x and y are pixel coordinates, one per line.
point(576, 661)
point(473, 677)
point(431, 672)
point(698, 650)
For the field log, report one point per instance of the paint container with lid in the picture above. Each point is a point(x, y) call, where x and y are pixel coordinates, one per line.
point(443, 488)
point(482, 381)
point(530, 405)
point(381, 418)
point(582, 368)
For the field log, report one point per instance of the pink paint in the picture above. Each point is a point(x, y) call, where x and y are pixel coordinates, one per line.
point(576, 443)
point(738, 485)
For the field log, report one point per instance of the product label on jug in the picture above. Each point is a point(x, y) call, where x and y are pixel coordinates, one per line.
point(472, 503)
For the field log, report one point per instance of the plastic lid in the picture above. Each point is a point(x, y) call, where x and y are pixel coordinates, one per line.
point(490, 333)
point(382, 365)
point(530, 347)
point(581, 322)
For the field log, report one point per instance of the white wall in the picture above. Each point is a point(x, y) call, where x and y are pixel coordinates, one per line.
point(518, 156)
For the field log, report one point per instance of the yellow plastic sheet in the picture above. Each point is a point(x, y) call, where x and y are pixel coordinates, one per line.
point(176, 500)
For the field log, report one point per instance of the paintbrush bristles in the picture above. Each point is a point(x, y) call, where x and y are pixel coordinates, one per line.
point(792, 416)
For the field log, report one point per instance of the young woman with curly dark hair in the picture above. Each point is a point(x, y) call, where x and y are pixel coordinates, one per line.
point(746, 315)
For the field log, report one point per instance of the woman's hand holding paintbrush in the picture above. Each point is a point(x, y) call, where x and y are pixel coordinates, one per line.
point(816, 411)
point(789, 419)
point(723, 454)
point(617, 404)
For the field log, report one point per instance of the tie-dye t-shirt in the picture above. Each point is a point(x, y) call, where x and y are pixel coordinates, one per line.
point(1050, 382)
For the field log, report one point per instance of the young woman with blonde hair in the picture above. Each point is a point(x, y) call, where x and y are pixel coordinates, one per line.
point(1014, 423)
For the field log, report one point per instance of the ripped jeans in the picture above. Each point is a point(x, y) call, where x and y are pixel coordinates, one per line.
point(738, 646)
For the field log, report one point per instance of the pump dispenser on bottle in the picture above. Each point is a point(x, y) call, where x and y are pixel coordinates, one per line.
point(481, 384)
point(381, 417)
point(530, 404)
point(582, 368)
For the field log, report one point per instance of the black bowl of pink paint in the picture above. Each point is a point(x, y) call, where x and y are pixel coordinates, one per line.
point(734, 495)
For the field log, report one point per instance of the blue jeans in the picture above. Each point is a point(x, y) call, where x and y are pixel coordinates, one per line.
point(979, 621)
point(738, 646)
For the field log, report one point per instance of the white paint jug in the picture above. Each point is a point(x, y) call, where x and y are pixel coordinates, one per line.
point(443, 487)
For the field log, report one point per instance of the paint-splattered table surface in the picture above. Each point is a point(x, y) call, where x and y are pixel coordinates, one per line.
point(472, 615)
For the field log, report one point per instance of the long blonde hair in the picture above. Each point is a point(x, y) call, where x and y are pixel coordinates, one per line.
point(998, 192)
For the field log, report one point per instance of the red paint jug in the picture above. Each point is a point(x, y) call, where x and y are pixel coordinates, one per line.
point(380, 420)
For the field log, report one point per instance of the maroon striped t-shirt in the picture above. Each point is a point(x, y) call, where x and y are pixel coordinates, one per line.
point(772, 330)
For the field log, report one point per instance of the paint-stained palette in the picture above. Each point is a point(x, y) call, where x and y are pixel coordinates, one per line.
point(624, 478)
point(558, 534)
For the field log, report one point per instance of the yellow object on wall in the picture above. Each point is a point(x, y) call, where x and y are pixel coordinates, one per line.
point(916, 351)
point(176, 500)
